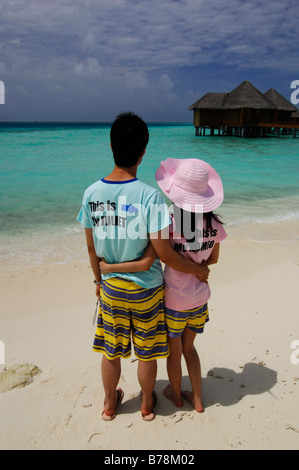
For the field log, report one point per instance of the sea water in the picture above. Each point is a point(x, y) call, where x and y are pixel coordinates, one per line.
point(45, 168)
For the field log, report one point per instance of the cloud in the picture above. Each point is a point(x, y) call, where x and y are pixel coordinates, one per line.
point(165, 83)
point(141, 83)
point(89, 68)
point(151, 34)
point(136, 80)
point(149, 46)
point(89, 41)
point(2, 68)
point(21, 90)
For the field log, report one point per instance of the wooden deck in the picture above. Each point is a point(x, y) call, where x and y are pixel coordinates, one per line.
point(281, 125)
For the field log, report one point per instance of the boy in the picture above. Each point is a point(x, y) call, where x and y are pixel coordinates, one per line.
point(121, 215)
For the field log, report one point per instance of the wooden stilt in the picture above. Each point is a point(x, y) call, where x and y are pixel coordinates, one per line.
point(257, 129)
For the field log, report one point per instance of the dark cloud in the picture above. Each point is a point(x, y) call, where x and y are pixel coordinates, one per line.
point(94, 56)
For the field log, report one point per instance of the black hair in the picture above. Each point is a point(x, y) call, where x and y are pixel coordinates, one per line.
point(209, 216)
point(192, 219)
point(129, 137)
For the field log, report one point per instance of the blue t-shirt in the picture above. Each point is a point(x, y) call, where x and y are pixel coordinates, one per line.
point(121, 215)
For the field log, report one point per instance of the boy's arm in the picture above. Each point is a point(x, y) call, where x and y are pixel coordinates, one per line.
point(93, 257)
point(142, 264)
point(166, 253)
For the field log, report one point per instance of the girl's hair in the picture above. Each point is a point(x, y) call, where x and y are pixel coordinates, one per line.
point(209, 216)
point(192, 219)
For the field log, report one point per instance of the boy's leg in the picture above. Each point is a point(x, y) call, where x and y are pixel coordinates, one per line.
point(174, 370)
point(194, 370)
point(147, 373)
point(111, 370)
point(150, 341)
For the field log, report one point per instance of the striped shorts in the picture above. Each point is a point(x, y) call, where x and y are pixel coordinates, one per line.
point(194, 318)
point(129, 311)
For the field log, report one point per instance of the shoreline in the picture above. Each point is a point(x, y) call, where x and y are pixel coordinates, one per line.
point(67, 245)
point(250, 385)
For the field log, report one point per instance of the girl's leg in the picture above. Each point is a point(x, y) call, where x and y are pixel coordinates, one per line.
point(174, 369)
point(194, 370)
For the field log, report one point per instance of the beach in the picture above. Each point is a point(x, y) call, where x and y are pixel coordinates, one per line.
point(250, 370)
point(217, 86)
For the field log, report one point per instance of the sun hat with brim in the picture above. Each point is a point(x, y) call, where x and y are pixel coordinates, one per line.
point(191, 184)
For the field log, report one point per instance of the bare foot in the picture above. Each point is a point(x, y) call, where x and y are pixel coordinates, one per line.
point(195, 402)
point(169, 393)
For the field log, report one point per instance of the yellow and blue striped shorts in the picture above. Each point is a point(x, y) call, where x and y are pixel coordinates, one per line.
point(194, 318)
point(129, 311)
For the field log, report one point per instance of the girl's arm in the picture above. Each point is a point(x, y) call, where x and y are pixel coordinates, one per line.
point(142, 264)
point(214, 256)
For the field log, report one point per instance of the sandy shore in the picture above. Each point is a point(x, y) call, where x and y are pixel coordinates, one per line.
point(250, 384)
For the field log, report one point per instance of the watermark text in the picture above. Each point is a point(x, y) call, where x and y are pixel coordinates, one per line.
point(295, 354)
point(2, 353)
point(295, 94)
point(2, 92)
point(121, 219)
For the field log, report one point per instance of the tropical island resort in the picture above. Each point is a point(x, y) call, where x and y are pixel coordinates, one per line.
point(245, 112)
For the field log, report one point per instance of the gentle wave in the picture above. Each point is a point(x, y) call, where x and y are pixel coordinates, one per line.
point(68, 245)
point(271, 219)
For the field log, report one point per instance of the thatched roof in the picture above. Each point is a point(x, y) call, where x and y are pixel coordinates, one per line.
point(247, 96)
point(281, 103)
point(209, 101)
point(244, 96)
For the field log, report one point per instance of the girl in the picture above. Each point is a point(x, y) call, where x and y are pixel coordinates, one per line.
point(196, 190)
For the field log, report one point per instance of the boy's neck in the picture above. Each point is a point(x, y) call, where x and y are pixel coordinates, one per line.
point(122, 174)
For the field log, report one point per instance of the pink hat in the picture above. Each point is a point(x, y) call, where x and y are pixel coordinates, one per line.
point(191, 184)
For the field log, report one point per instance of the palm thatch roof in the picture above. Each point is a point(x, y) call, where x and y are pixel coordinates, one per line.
point(243, 96)
point(209, 101)
point(281, 103)
point(247, 96)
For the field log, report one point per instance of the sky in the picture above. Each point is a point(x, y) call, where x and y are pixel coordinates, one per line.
point(89, 60)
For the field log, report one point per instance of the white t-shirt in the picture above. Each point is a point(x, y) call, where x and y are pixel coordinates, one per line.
point(185, 291)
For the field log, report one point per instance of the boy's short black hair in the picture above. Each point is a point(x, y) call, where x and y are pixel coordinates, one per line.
point(129, 137)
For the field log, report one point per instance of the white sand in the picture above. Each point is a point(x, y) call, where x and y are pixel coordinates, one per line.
point(250, 384)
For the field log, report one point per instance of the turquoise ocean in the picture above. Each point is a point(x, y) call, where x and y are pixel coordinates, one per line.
point(45, 168)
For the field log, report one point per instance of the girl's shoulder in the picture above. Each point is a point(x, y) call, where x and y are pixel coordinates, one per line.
point(221, 232)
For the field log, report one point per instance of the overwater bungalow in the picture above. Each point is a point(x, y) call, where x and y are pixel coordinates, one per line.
point(284, 108)
point(295, 116)
point(245, 111)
